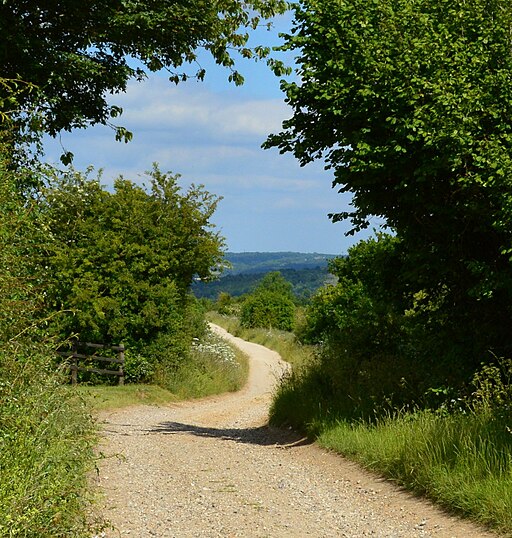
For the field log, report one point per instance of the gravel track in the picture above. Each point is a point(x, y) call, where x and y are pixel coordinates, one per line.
point(213, 468)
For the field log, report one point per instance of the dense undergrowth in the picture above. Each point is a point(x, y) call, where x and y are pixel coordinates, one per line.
point(47, 439)
point(47, 435)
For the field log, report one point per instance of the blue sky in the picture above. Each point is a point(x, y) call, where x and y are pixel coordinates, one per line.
point(210, 132)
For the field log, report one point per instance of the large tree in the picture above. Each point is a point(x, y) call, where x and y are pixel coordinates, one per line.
point(72, 53)
point(410, 104)
point(122, 262)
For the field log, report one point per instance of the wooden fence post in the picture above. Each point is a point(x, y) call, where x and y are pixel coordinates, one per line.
point(121, 364)
point(74, 363)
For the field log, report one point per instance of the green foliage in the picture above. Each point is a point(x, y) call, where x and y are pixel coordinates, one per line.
point(409, 102)
point(270, 305)
point(46, 433)
point(275, 282)
point(493, 388)
point(22, 240)
point(138, 368)
point(267, 309)
point(363, 366)
point(77, 53)
point(381, 346)
point(226, 305)
point(47, 441)
point(397, 91)
point(122, 262)
point(214, 366)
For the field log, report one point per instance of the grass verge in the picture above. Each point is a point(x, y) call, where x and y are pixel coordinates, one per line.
point(213, 367)
point(104, 397)
point(462, 461)
point(47, 440)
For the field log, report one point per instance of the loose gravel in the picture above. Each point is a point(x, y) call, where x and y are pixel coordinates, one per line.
point(213, 468)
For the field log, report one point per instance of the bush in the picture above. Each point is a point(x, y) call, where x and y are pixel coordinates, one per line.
point(268, 310)
point(226, 305)
point(138, 368)
point(270, 305)
point(121, 263)
point(385, 344)
point(46, 433)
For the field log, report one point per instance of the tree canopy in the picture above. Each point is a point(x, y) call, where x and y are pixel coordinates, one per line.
point(410, 104)
point(407, 100)
point(71, 54)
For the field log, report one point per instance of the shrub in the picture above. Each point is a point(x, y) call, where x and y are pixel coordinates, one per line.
point(270, 305)
point(121, 263)
point(268, 310)
point(46, 433)
point(138, 368)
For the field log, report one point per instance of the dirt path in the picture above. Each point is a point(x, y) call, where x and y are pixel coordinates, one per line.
point(212, 468)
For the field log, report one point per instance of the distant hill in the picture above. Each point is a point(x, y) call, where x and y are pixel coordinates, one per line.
point(306, 272)
point(263, 262)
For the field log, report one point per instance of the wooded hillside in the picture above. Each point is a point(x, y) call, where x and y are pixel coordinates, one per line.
point(306, 272)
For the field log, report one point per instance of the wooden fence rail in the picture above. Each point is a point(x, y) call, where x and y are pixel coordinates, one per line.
point(74, 356)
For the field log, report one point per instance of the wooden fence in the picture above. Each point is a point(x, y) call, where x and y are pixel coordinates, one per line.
point(75, 356)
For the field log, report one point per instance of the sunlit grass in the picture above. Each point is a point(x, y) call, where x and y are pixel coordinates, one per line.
point(47, 440)
point(461, 460)
point(104, 397)
point(213, 367)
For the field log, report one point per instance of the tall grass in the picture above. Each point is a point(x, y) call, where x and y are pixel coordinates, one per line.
point(213, 367)
point(461, 460)
point(47, 440)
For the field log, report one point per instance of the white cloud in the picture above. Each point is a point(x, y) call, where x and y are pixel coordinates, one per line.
point(214, 137)
point(157, 105)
